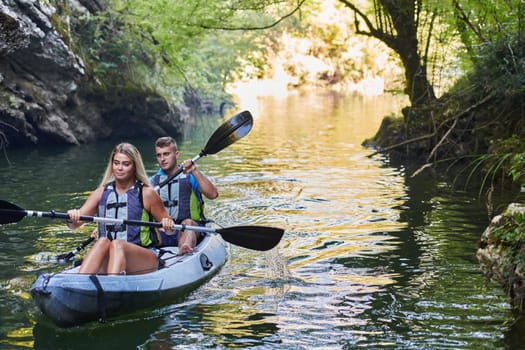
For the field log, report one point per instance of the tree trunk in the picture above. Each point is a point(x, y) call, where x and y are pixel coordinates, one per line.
point(418, 88)
point(404, 16)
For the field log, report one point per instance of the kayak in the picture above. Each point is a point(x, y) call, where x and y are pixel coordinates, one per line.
point(69, 298)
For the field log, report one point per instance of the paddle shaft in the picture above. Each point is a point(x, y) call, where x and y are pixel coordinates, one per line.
point(97, 219)
point(179, 170)
point(229, 132)
point(252, 237)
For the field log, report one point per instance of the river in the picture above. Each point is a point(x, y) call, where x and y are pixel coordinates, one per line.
point(371, 257)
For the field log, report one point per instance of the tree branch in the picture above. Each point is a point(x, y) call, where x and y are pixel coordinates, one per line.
point(361, 15)
point(456, 118)
point(271, 25)
point(436, 147)
point(463, 17)
point(404, 143)
point(381, 33)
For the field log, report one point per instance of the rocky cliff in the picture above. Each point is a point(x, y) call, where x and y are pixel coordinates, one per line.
point(46, 95)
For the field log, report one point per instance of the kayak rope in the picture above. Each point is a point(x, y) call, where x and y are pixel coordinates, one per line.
point(163, 260)
point(100, 299)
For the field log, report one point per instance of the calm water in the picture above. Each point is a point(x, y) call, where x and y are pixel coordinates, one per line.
point(371, 258)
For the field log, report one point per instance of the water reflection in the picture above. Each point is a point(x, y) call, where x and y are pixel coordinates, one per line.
point(124, 334)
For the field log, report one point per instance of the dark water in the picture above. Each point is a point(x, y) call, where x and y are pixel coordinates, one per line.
point(371, 258)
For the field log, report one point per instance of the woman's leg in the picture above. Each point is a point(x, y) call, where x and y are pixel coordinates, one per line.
point(129, 258)
point(96, 259)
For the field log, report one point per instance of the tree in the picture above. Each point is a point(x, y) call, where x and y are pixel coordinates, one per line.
point(196, 45)
point(398, 25)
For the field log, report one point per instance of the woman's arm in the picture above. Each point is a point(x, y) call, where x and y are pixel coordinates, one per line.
point(153, 205)
point(88, 208)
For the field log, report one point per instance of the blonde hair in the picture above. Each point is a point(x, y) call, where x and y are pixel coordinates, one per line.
point(132, 153)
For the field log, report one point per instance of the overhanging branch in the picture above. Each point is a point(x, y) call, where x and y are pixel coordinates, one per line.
point(271, 25)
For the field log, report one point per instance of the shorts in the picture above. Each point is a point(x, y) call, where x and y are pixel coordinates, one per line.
point(173, 240)
point(156, 251)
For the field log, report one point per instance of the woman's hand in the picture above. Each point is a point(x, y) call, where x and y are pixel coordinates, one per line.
point(167, 225)
point(74, 219)
point(74, 215)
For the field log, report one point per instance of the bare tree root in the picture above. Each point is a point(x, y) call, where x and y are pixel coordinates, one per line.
point(456, 118)
point(3, 138)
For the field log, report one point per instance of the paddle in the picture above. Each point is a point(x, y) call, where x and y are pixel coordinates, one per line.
point(252, 237)
point(229, 132)
point(65, 257)
point(71, 254)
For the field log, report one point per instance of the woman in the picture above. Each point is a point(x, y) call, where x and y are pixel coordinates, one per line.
point(123, 193)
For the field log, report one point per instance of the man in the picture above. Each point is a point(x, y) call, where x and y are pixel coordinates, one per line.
point(182, 196)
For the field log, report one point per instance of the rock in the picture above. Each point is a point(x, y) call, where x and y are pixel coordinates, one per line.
point(501, 252)
point(46, 96)
point(12, 36)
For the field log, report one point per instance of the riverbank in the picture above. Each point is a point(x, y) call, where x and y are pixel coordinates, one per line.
point(473, 137)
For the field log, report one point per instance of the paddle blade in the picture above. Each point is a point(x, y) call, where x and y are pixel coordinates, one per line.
point(71, 254)
point(10, 213)
point(252, 237)
point(231, 131)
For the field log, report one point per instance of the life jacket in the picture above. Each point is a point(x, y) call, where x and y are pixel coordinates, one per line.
point(127, 206)
point(181, 197)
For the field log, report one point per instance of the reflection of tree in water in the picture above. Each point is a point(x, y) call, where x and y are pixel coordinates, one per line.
point(225, 324)
point(433, 268)
point(121, 334)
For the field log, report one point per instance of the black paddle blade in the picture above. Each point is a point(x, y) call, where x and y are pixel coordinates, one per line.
point(10, 213)
point(252, 237)
point(231, 131)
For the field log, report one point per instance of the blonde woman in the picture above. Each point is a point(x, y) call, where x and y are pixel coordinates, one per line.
point(124, 193)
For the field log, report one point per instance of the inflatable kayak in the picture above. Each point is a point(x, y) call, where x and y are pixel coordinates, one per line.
point(69, 298)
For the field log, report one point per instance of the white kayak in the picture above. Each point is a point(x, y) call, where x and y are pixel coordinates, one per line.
point(69, 298)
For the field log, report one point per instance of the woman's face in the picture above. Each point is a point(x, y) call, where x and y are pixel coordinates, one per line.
point(123, 167)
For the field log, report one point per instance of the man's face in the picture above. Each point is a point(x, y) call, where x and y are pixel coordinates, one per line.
point(167, 158)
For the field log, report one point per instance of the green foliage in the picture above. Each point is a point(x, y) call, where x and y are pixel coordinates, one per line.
point(489, 20)
point(200, 46)
point(505, 159)
point(111, 52)
point(483, 23)
point(176, 47)
point(492, 166)
point(487, 103)
point(501, 66)
point(513, 150)
point(517, 168)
